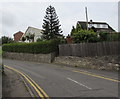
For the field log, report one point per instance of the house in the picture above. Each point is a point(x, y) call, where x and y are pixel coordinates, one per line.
point(33, 31)
point(96, 26)
point(17, 36)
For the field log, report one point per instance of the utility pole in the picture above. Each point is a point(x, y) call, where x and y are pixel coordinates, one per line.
point(86, 17)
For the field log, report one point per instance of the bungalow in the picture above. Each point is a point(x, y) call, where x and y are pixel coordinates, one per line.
point(33, 31)
point(17, 36)
point(96, 26)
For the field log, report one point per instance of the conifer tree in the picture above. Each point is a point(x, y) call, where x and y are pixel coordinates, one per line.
point(51, 25)
point(73, 30)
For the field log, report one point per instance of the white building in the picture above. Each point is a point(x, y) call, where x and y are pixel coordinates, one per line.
point(31, 30)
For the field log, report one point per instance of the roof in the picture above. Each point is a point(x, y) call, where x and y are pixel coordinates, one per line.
point(18, 32)
point(84, 26)
point(18, 35)
point(93, 22)
point(32, 28)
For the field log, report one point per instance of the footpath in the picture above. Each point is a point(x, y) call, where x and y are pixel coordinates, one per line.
point(13, 85)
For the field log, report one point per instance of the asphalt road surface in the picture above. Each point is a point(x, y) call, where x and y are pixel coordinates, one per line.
point(61, 81)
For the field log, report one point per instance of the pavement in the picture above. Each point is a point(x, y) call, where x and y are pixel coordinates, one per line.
point(13, 85)
point(61, 81)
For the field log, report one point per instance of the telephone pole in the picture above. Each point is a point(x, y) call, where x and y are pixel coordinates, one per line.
point(86, 17)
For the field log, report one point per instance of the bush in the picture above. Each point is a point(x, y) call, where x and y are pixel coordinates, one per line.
point(85, 36)
point(113, 37)
point(104, 36)
point(42, 47)
point(39, 40)
point(6, 40)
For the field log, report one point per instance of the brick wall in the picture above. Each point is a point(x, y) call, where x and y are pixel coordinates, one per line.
point(17, 36)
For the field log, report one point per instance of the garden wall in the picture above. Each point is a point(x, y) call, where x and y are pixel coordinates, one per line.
point(47, 58)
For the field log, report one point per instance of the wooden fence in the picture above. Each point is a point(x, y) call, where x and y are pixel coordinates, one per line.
point(90, 49)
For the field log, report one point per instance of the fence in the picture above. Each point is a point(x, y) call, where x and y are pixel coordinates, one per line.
point(90, 49)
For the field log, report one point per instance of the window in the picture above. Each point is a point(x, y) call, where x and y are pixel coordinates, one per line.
point(95, 25)
point(89, 25)
point(98, 25)
point(104, 26)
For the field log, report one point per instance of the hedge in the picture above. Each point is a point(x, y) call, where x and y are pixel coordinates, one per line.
point(42, 47)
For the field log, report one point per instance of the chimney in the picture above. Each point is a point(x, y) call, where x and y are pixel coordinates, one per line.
point(91, 21)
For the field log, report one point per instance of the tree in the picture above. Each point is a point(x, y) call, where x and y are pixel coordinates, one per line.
point(79, 35)
point(32, 37)
point(103, 36)
point(76, 29)
point(6, 40)
point(23, 39)
point(51, 25)
point(73, 30)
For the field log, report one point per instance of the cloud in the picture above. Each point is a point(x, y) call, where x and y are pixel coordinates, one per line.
point(8, 19)
point(18, 16)
point(119, 16)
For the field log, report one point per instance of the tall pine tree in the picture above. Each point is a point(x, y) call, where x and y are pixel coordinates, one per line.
point(51, 25)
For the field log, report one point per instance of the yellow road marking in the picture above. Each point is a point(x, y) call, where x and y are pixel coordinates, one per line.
point(39, 88)
point(96, 76)
point(90, 74)
point(39, 93)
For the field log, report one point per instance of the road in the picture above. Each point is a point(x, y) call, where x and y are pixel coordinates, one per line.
point(61, 81)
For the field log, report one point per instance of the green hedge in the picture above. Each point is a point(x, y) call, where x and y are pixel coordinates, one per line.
point(42, 47)
point(104, 36)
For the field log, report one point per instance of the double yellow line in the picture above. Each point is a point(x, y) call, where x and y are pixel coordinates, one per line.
point(36, 87)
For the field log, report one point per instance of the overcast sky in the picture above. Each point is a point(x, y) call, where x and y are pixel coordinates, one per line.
point(17, 16)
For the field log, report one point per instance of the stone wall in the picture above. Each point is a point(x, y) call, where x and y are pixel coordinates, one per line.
point(47, 58)
point(103, 62)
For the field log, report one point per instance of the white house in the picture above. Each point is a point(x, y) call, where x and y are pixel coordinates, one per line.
point(31, 30)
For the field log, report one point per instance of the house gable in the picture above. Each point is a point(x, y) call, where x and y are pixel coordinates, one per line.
point(37, 32)
point(18, 35)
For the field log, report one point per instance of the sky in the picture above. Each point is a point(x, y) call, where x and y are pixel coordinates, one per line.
point(17, 16)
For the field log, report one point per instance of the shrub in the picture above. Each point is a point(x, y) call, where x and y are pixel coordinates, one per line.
point(42, 47)
point(79, 35)
point(6, 40)
point(39, 40)
point(104, 36)
point(113, 37)
point(84, 36)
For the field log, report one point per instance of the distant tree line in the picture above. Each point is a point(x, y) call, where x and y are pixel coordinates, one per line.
point(5, 40)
